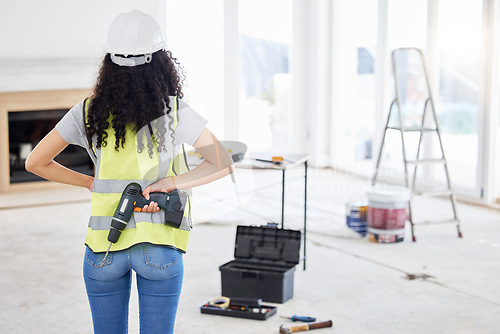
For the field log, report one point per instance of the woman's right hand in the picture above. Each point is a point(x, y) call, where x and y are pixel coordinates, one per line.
point(152, 207)
point(90, 185)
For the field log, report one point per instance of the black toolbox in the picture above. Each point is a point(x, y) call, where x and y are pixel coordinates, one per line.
point(264, 264)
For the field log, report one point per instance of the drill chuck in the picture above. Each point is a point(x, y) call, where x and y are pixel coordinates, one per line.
point(117, 226)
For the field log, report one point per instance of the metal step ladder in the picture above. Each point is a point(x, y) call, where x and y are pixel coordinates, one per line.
point(413, 103)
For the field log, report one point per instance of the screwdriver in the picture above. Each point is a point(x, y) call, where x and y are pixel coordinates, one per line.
point(299, 318)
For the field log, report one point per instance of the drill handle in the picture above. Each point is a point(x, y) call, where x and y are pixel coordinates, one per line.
point(172, 204)
point(159, 197)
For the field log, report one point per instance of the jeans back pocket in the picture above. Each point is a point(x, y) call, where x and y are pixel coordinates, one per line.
point(160, 257)
point(96, 259)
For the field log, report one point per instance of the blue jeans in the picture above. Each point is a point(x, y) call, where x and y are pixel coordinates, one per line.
point(159, 271)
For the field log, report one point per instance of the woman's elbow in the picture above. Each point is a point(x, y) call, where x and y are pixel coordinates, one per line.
point(31, 165)
point(28, 165)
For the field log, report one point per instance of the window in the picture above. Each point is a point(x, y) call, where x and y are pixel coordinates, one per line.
point(460, 76)
point(201, 53)
point(406, 27)
point(365, 39)
point(265, 28)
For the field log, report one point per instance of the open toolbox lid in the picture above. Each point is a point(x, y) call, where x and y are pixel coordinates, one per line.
point(267, 244)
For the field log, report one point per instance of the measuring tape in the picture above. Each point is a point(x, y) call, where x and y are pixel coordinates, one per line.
point(222, 302)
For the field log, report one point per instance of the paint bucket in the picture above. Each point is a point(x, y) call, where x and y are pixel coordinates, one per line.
point(386, 214)
point(355, 216)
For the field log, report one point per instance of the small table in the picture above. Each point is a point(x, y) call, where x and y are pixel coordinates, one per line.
point(262, 161)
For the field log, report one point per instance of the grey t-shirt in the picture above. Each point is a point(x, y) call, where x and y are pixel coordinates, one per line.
point(189, 127)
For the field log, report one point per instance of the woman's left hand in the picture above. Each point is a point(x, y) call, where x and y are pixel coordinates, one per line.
point(164, 185)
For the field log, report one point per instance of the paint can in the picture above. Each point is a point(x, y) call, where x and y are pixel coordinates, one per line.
point(386, 213)
point(356, 216)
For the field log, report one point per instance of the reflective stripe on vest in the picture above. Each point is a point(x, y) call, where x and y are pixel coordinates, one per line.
point(115, 171)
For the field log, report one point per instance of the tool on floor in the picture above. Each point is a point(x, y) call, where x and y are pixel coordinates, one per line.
point(300, 318)
point(250, 302)
point(172, 203)
point(221, 302)
point(305, 327)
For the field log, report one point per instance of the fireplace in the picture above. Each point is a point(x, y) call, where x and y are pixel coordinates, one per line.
point(25, 118)
point(26, 129)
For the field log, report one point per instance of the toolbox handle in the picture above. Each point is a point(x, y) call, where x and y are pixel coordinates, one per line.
point(246, 274)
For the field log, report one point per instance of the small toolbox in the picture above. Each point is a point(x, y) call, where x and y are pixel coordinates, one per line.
point(240, 308)
point(264, 264)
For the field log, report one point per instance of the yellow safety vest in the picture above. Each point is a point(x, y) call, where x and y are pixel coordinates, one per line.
point(115, 170)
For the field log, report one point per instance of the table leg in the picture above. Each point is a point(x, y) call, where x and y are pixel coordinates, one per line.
point(283, 200)
point(305, 211)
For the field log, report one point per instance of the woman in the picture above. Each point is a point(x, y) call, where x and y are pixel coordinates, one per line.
point(133, 127)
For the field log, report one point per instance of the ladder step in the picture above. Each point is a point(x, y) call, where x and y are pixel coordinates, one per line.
point(426, 161)
point(436, 222)
point(412, 129)
point(433, 192)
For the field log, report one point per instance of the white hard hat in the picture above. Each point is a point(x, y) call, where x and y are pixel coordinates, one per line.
point(133, 33)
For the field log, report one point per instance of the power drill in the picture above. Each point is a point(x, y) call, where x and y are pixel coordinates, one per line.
point(172, 203)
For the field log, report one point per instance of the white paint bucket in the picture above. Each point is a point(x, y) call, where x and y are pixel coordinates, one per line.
point(387, 213)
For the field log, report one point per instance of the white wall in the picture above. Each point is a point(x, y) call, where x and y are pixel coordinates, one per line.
point(62, 28)
point(54, 44)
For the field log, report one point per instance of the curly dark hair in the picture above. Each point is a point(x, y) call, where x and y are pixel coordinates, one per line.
point(132, 97)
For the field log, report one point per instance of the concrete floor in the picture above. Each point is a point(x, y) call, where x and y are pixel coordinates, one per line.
point(361, 286)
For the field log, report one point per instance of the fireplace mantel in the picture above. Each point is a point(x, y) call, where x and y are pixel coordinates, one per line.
point(32, 74)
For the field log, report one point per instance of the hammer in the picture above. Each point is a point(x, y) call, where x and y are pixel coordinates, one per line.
point(305, 327)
